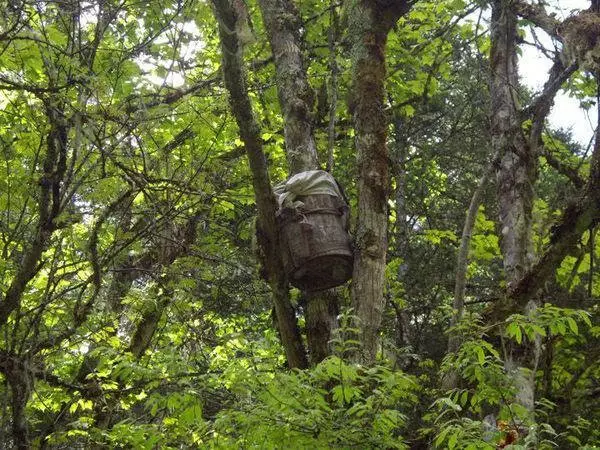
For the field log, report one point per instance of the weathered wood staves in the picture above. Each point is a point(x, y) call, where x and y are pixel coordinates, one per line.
point(317, 249)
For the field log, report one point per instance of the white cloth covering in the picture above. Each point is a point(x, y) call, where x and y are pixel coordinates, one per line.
point(310, 182)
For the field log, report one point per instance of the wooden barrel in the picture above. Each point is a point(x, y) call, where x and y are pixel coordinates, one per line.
point(316, 246)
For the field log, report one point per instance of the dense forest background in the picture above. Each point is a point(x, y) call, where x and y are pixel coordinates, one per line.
point(142, 298)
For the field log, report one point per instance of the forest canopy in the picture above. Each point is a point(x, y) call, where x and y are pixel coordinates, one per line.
point(146, 295)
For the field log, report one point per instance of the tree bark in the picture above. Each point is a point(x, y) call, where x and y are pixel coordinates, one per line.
point(524, 284)
point(515, 176)
point(19, 378)
point(368, 27)
point(401, 227)
point(283, 24)
point(581, 214)
point(19, 398)
point(49, 208)
point(176, 242)
point(451, 379)
point(321, 320)
point(268, 240)
point(333, 84)
point(517, 169)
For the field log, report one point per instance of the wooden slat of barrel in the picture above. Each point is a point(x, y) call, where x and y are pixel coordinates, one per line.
point(317, 248)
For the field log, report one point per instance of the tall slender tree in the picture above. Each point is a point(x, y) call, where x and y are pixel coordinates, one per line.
point(368, 27)
point(235, 81)
point(296, 98)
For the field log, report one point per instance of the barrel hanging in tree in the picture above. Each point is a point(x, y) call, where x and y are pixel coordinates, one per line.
point(313, 227)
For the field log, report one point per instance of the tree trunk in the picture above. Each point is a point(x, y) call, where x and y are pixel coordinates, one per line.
point(175, 243)
point(401, 226)
point(517, 170)
point(19, 378)
point(49, 207)
point(462, 262)
point(283, 24)
point(267, 235)
point(462, 259)
point(321, 320)
point(368, 27)
point(505, 113)
point(515, 176)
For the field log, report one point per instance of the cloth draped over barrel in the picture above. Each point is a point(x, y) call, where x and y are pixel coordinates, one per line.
point(301, 184)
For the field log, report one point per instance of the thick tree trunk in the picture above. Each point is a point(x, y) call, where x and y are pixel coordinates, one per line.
point(584, 211)
point(321, 320)
point(368, 27)
point(283, 24)
point(515, 176)
point(19, 379)
point(581, 215)
point(235, 82)
point(284, 27)
point(19, 399)
point(517, 169)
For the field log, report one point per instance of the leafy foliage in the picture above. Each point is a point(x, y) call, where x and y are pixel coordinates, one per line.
point(132, 309)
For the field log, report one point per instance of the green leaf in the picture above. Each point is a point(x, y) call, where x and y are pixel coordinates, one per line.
point(480, 355)
point(518, 334)
point(573, 325)
point(452, 441)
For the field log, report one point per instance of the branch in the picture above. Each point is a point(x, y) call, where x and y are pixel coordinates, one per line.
point(48, 209)
point(12, 30)
point(179, 244)
point(570, 172)
point(81, 310)
point(333, 85)
point(541, 104)
point(539, 17)
point(171, 97)
point(577, 218)
point(463, 252)
point(6, 84)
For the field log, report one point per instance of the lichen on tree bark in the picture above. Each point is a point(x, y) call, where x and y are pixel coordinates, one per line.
point(368, 27)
